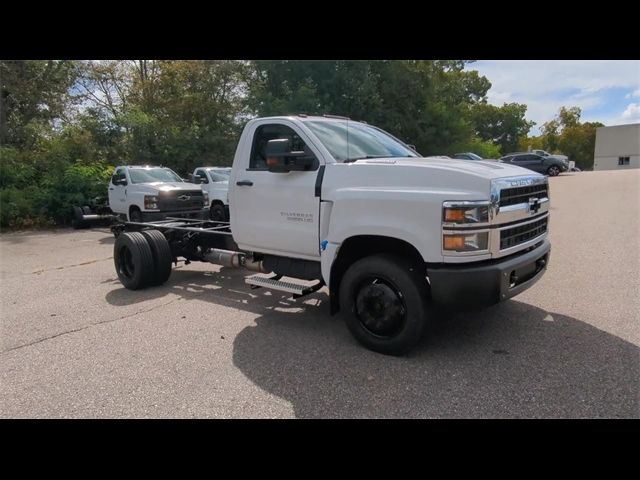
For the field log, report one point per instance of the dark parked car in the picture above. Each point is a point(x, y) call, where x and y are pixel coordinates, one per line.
point(548, 165)
point(468, 156)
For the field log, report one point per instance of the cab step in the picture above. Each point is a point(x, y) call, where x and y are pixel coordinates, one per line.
point(274, 283)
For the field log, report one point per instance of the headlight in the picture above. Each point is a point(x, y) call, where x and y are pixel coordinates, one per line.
point(465, 242)
point(151, 202)
point(465, 212)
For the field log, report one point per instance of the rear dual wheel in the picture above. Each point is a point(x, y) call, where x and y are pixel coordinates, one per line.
point(142, 259)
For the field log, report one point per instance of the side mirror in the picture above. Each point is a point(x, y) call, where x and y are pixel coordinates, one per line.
point(194, 179)
point(118, 181)
point(284, 159)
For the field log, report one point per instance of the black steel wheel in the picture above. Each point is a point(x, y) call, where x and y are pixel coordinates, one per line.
point(133, 260)
point(385, 302)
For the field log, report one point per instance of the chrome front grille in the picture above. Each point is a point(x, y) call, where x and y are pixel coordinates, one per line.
point(516, 195)
point(514, 236)
point(181, 200)
point(518, 218)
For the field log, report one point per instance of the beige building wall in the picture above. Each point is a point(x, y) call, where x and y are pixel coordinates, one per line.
point(615, 142)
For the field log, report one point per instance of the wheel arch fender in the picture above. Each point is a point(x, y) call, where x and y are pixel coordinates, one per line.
point(338, 257)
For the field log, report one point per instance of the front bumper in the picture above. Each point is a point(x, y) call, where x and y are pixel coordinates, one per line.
point(486, 283)
point(200, 214)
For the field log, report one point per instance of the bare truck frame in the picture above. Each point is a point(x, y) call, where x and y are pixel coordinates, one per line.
point(195, 240)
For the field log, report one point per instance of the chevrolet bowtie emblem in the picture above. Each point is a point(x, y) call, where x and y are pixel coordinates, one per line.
point(184, 197)
point(534, 205)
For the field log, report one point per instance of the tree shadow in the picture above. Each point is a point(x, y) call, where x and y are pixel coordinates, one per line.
point(512, 360)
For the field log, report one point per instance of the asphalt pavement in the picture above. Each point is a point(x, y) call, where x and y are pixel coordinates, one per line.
point(75, 343)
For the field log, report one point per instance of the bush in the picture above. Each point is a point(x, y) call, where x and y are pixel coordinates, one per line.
point(49, 199)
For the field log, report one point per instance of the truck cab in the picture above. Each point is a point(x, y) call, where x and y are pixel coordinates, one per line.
point(145, 193)
point(215, 181)
point(390, 233)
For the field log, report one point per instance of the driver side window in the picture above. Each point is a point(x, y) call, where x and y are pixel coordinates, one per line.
point(203, 176)
point(263, 134)
point(118, 175)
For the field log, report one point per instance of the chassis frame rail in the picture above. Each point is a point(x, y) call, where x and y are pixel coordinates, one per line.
point(212, 227)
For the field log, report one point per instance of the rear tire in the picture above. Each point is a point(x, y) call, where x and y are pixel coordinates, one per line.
point(553, 171)
point(384, 299)
point(161, 252)
point(133, 260)
point(77, 222)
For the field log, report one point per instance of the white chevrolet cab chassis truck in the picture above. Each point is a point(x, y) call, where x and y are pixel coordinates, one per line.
point(140, 193)
point(214, 181)
point(326, 201)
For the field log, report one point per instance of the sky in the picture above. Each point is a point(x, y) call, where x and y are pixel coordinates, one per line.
point(607, 91)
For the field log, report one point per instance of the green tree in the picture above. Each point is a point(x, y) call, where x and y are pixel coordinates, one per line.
point(33, 95)
point(505, 126)
point(422, 102)
point(565, 134)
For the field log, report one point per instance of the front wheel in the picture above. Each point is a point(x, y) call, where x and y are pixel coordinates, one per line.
point(553, 171)
point(135, 215)
point(384, 299)
point(217, 213)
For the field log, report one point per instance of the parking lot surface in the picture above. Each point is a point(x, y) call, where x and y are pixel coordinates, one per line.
point(75, 343)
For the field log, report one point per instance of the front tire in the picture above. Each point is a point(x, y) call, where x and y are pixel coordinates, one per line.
point(384, 299)
point(217, 213)
point(135, 215)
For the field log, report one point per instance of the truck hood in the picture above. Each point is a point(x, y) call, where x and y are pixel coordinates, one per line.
point(483, 169)
point(170, 186)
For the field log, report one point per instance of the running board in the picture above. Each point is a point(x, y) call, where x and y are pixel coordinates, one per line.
point(274, 283)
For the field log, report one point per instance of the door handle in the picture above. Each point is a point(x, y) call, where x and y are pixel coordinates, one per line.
point(110, 188)
point(244, 183)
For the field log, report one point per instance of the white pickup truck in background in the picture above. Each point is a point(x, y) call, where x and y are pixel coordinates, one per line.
point(145, 193)
point(327, 201)
point(214, 181)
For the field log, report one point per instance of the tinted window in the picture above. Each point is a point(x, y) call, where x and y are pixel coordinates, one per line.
point(203, 176)
point(263, 134)
point(119, 174)
point(218, 176)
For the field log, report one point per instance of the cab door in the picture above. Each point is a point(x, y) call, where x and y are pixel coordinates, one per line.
point(118, 191)
point(276, 213)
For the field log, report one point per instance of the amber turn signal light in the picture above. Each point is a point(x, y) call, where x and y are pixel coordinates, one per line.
point(453, 242)
point(454, 215)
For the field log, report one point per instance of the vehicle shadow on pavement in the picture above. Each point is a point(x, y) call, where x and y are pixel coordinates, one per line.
point(512, 360)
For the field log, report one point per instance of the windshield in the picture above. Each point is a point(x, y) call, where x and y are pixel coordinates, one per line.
point(221, 171)
point(151, 175)
point(348, 141)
